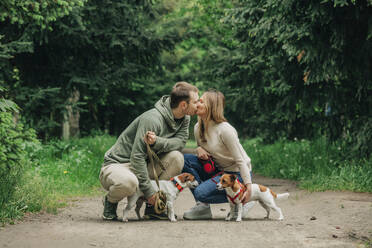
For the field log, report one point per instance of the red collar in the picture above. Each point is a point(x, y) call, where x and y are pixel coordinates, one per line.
point(179, 187)
point(232, 199)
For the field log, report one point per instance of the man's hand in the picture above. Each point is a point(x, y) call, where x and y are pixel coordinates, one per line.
point(150, 138)
point(151, 200)
point(247, 193)
point(202, 154)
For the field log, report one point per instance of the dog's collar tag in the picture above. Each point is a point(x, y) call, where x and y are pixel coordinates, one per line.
point(179, 187)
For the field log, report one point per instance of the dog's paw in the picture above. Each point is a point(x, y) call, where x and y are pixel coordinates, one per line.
point(125, 219)
point(173, 220)
point(238, 219)
point(281, 218)
point(228, 217)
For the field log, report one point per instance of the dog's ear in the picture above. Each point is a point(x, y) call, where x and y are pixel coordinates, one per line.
point(232, 177)
point(189, 177)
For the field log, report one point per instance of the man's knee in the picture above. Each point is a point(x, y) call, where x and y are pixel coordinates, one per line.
point(122, 188)
point(176, 160)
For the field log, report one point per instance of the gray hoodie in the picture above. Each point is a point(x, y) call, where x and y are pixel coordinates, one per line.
point(130, 147)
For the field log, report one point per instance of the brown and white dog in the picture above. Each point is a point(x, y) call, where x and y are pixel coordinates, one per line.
point(234, 192)
point(170, 187)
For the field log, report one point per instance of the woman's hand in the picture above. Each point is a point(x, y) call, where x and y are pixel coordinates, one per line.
point(201, 153)
point(247, 193)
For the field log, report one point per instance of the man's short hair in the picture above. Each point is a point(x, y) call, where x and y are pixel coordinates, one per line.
point(181, 92)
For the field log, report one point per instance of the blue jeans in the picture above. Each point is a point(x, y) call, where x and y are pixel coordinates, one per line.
point(207, 191)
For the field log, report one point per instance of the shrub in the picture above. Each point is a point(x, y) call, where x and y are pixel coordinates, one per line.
point(12, 154)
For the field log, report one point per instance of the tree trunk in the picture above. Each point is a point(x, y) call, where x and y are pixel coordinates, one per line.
point(70, 125)
point(15, 117)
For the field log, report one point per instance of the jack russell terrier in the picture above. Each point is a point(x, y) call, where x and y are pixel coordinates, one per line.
point(170, 187)
point(234, 192)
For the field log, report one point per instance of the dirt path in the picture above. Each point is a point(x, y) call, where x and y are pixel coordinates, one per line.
point(342, 219)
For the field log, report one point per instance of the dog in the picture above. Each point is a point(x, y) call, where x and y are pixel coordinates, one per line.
point(170, 187)
point(235, 190)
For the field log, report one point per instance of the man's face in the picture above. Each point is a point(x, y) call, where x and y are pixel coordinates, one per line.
point(193, 104)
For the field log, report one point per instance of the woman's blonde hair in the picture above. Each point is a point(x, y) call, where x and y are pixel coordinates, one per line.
point(214, 103)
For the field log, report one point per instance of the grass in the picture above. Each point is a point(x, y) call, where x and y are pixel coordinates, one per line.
point(57, 171)
point(317, 165)
point(61, 170)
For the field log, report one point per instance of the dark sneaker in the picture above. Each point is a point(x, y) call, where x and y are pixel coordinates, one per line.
point(109, 211)
point(150, 214)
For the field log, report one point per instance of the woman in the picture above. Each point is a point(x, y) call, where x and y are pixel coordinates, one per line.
point(218, 142)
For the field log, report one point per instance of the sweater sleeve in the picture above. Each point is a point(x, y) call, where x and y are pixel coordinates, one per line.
point(230, 138)
point(138, 158)
point(177, 142)
point(196, 134)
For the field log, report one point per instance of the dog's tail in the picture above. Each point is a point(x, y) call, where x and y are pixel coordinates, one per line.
point(282, 196)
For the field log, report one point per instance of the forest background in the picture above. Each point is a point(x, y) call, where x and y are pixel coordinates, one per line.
point(73, 74)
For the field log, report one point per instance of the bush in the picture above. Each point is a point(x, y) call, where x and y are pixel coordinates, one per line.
point(12, 155)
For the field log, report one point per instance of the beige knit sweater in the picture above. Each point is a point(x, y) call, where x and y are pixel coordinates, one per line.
point(224, 146)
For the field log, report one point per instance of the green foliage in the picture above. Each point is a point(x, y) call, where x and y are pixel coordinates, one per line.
point(293, 68)
point(197, 22)
point(39, 13)
point(353, 176)
point(107, 51)
point(70, 166)
point(8, 106)
point(19, 21)
point(317, 165)
point(55, 172)
point(12, 155)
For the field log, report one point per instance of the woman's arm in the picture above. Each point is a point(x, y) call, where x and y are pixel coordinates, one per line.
point(200, 151)
point(230, 139)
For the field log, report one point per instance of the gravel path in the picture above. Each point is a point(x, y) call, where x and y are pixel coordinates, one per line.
point(322, 219)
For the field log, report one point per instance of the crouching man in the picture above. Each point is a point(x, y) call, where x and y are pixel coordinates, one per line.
point(166, 129)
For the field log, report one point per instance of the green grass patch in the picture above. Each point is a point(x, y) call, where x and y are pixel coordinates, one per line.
point(56, 172)
point(317, 165)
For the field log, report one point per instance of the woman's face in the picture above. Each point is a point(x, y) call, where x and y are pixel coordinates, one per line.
point(201, 110)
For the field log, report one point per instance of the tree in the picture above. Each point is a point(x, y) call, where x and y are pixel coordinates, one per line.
point(299, 69)
point(96, 62)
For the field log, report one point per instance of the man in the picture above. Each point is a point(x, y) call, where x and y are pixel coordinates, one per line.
point(166, 129)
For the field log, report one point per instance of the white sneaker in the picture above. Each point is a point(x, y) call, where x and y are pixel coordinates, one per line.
point(201, 211)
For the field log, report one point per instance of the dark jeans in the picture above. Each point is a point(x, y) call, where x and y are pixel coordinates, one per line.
point(207, 191)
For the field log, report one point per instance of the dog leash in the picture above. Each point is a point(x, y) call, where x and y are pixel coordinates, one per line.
point(160, 196)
